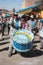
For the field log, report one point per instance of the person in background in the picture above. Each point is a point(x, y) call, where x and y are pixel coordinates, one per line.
point(0, 19)
point(0, 24)
point(0, 27)
point(38, 24)
point(24, 23)
point(8, 24)
point(3, 25)
point(41, 33)
point(14, 26)
point(36, 28)
point(31, 23)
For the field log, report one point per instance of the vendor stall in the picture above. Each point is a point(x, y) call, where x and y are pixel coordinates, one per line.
point(27, 9)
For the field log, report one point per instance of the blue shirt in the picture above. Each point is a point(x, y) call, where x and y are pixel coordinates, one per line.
point(33, 24)
point(17, 24)
point(41, 20)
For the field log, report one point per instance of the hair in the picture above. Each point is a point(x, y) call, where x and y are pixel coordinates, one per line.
point(32, 19)
point(24, 17)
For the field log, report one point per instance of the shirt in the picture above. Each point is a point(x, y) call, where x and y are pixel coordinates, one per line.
point(16, 23)
point(31, 25)
point(41, 20)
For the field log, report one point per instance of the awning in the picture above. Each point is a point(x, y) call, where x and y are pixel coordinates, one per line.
point(27, 9)
point(7, 15)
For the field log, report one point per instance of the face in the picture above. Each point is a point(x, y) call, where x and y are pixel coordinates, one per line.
point(5, 19)
point(23, 20)
point(15, 17)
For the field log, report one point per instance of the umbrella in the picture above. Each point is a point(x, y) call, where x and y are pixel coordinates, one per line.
point(7, 15)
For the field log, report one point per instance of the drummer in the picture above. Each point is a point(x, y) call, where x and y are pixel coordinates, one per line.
point(15, 25)
point(41, 33)
point(31, 23)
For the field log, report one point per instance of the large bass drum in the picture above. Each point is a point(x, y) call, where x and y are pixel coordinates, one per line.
point(22, 40)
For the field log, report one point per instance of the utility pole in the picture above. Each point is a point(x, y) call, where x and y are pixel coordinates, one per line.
point(14, 10)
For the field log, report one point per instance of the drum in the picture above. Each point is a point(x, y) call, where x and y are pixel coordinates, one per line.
point(22, 40)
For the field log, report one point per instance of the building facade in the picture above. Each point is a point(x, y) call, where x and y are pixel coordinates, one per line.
point(27, 3)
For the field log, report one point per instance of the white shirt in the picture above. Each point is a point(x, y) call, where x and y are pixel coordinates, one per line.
point(12, 30)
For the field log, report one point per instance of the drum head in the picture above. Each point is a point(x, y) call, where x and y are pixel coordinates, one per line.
point(23, 36)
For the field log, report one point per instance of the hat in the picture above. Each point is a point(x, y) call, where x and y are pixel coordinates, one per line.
point(15, 14)
point(32, 16)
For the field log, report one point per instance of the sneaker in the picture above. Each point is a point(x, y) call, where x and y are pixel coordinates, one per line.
point(10, 54)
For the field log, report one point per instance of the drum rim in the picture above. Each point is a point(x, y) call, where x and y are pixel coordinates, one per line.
point(28, 32)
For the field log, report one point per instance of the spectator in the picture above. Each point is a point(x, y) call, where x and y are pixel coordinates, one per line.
point(41, 33)
point(3, 25)
point(8, 24)
point(31, 23)
point(24, 23)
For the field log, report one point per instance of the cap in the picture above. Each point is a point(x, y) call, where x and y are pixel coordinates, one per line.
point(32, 16)
point(15, 14)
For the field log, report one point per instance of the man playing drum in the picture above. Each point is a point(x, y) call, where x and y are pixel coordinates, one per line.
point(14, 26)
point(41, 33)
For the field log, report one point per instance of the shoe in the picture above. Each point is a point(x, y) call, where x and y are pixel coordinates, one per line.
point(10, 54)
point(15, 52)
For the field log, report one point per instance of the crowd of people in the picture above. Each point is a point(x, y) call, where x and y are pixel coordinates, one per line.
point(14, 23)
point(24, 22)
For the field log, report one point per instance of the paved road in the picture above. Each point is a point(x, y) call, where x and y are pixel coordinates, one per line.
point(33, 57)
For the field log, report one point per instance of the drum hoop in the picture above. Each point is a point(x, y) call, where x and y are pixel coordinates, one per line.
point(26, 32)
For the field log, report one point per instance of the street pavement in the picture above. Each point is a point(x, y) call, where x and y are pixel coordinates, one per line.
point(33, 57)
